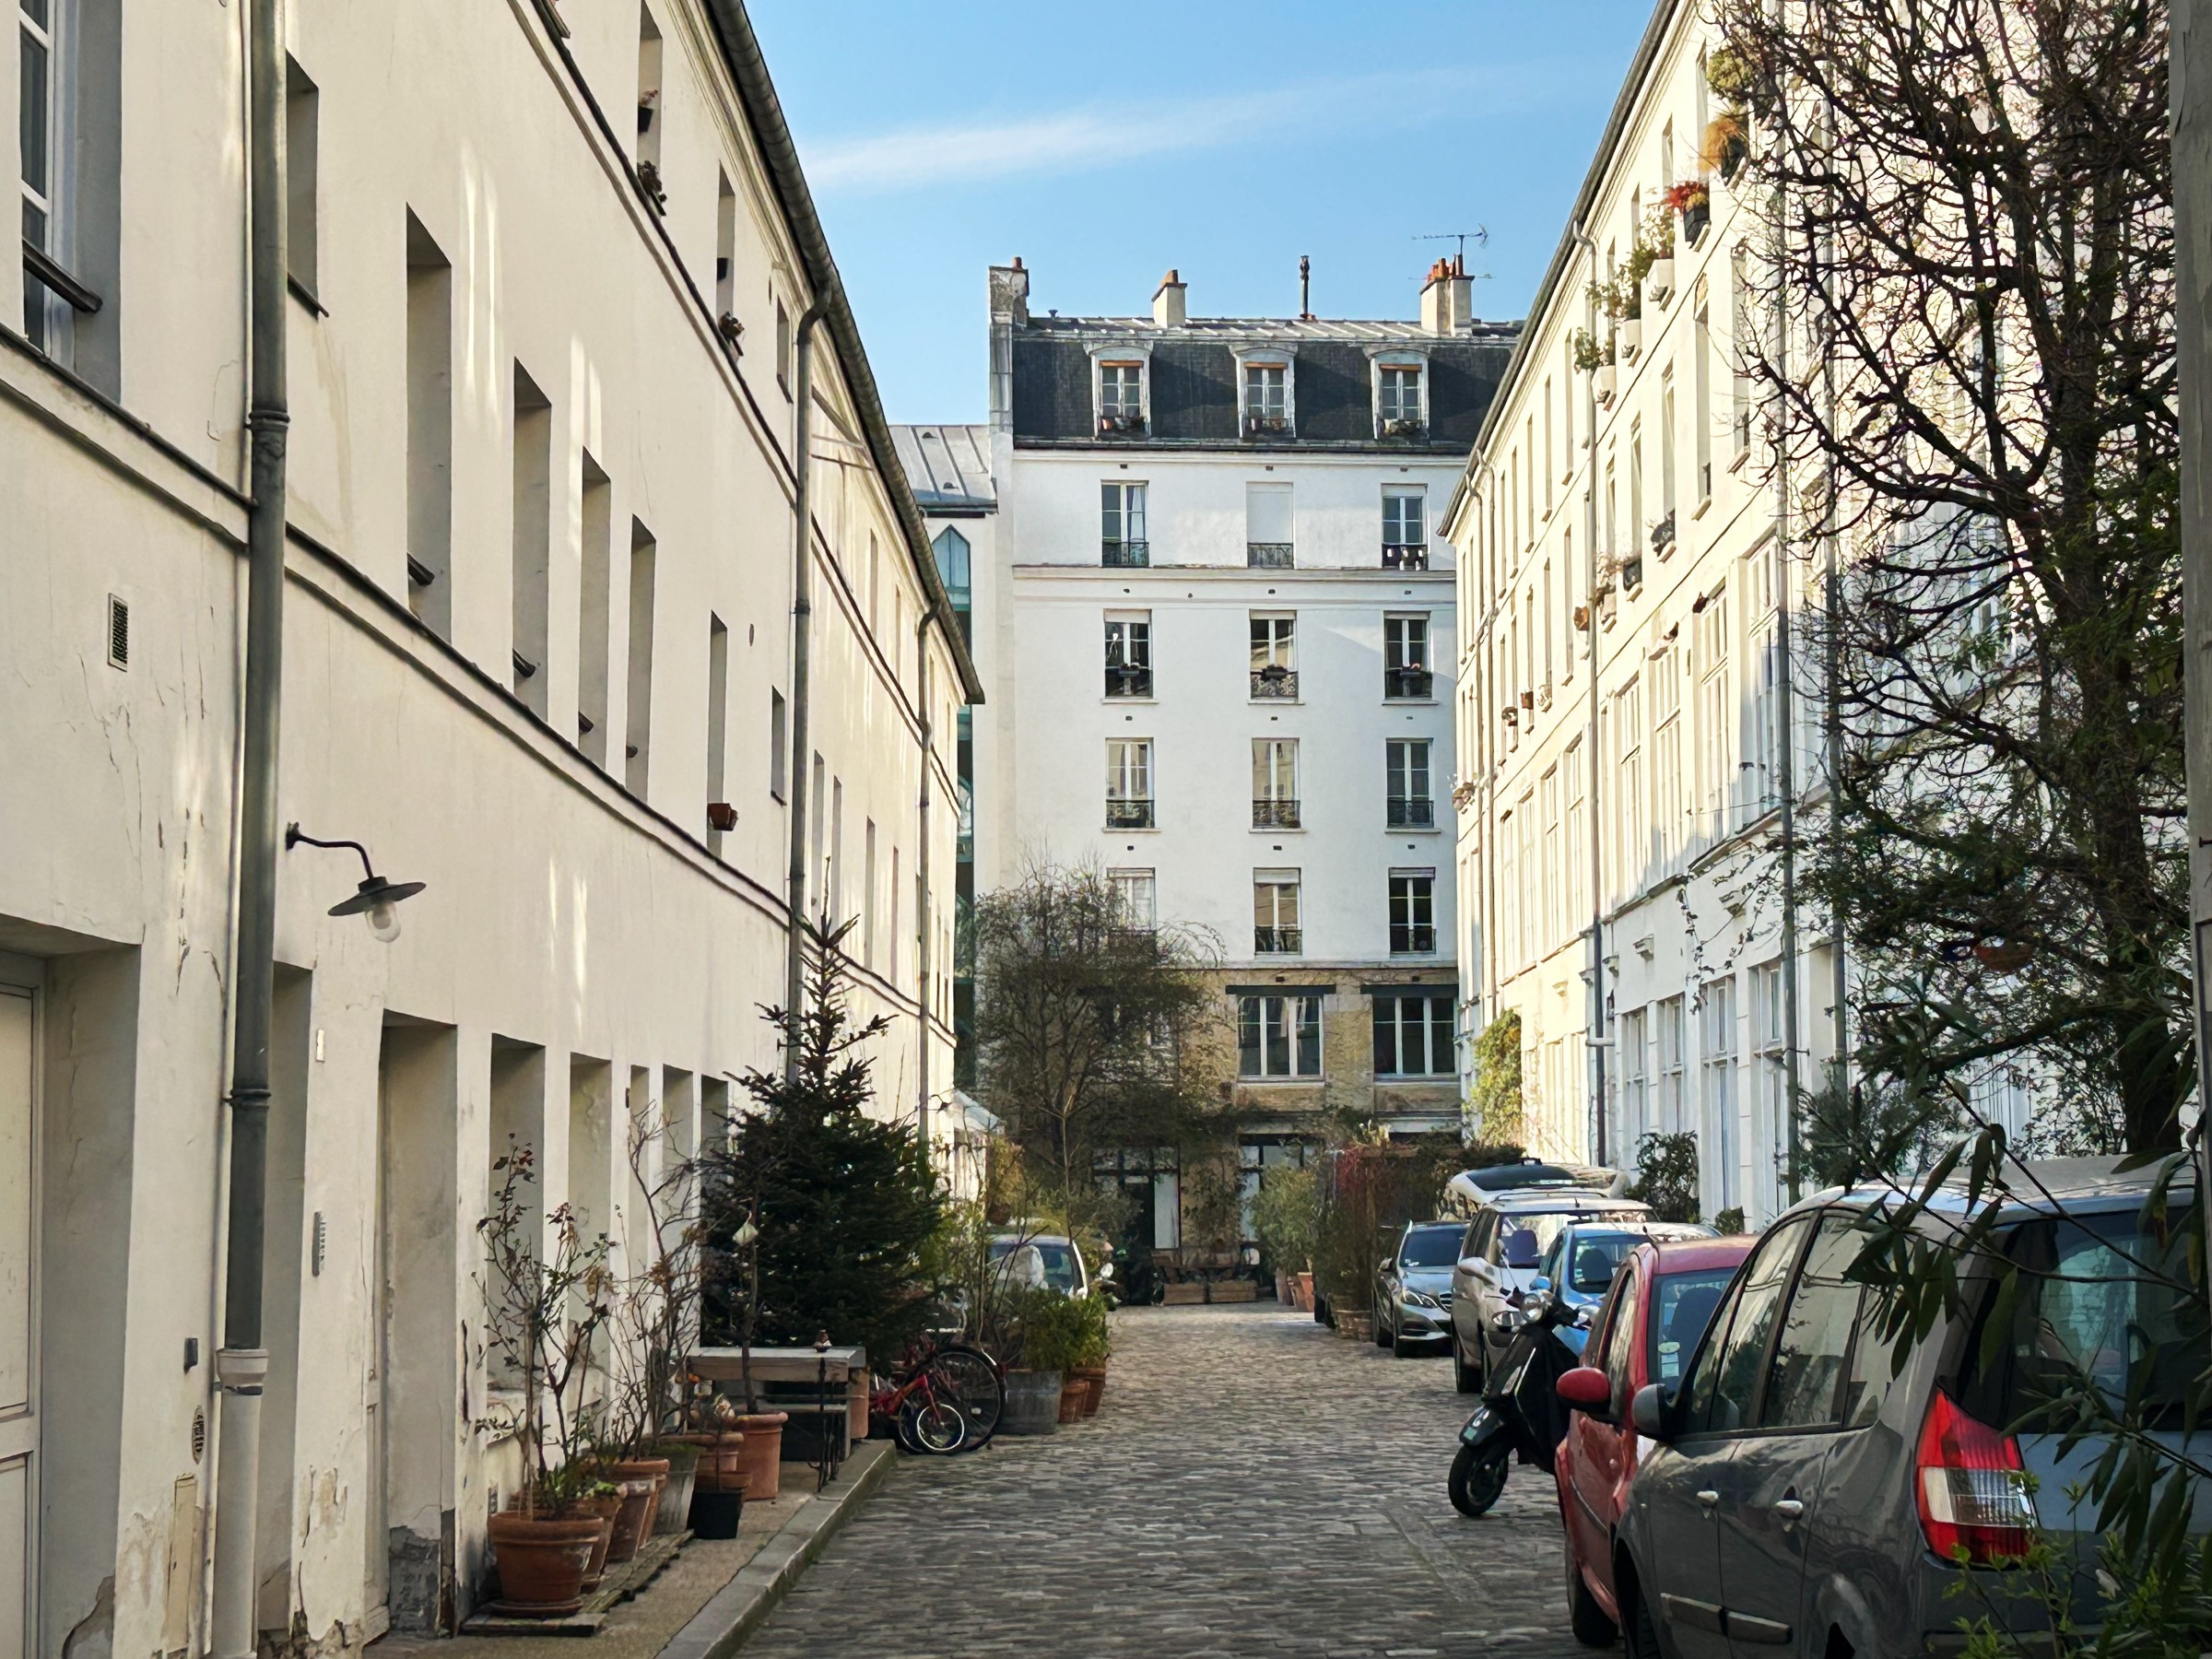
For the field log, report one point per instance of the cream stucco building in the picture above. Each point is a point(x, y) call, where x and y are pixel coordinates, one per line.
point(547, 268)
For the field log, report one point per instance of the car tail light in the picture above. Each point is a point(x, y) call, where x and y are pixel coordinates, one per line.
point(1971, 1487)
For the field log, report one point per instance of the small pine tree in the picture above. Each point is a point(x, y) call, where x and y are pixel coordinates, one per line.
point(844, 1205)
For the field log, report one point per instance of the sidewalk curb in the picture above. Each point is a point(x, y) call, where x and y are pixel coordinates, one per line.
point(736, 1610)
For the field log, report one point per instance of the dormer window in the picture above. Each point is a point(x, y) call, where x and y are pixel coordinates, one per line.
point(1401, 403)
point(1120, 396)
point(1266, 398)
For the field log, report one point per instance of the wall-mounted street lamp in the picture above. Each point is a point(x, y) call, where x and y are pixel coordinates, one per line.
point(375, 898)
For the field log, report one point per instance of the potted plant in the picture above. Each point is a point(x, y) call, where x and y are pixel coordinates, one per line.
point(1727, 145)
point(1042, 1340)
point(1691, 203)
point(546, 1289)
point(1093, 1342)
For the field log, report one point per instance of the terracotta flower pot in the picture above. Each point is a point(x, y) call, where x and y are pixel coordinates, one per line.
point(542, 1562)
point(763, 1432)
point(640, 1483)
point(1071, 1393)
point(672, 1509)
point(601, 1513)
point(1305, 1290)
point(1093, 1378)
point(722, 1464)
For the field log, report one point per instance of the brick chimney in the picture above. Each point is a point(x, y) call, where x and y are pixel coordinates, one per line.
point(1167, 302)
point(1447, 302)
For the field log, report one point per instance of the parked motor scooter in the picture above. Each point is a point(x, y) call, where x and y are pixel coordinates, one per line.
point(1520, 1411)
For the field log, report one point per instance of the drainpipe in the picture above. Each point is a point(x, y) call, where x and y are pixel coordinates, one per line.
point(1786, 720)
point(921, 873)
point(1597, 1042)
point(802, 619)
point(240, 1362)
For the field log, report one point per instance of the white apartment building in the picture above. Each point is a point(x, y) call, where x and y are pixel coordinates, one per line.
point(544, 342)
point(1211, 612)
point(1622, 691)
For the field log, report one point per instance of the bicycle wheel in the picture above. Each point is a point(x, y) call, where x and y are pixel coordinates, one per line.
point(968, 1376)
point(936, 1427)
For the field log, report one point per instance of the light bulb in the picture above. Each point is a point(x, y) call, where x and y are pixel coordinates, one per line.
point(383, 921)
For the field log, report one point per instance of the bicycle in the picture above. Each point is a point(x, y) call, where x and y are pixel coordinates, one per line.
point(950, 1400)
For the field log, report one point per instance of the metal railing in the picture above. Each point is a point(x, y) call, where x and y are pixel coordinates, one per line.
point(1274, 681)
point(1412, 812)
point(1276, 812)
point(1277, 941)
point(1405, 556)
point(1270, 555)
point(1128, 554)
point(1127, 681)
point(1416, 939)
point(1408, 683)
point(1128, 815)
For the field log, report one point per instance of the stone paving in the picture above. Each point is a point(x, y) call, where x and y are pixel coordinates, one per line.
point(1252, 1485)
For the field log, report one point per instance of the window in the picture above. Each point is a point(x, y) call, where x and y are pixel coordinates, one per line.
point(1406, 674)
point(1635, 524)
point(1405, 536)
point(718, 693)
point(1739, 351)
point(1551, 466)
point(1635, 1079)
point(638, 708)
point(782, 348)
point(594, 644)
point(1716, 710)
point(892, 970)
point(430, 431)
point(1548, 791)
point(37, 113)
point(1398, 409)
point(1670, 1047)
point(1275, 925)
point(867, 898)
point(1412, 912)
point(779, 747)
point(1121, 397)
point(1567, 408)
point(1805, 1382)
point(1266, 397)
point(1275, 782)
point(649, 91)
point(1767, 668)
point(1629, 839)
point(1121, 525)
point(1664, 532)
point(1413, 1035)
point(1666, 756)
point(301, 120)
point(1702, 403)
point(1137, 894)
point(1405, 767)
point(1726, 1375)
point(1577, 883)
point(1129, 783)
point(953, 554)
point(1769, 1042)
point(1268, 539)
point(1509, 891)
point(1278, 1036)
point(533, 530)
point(1273, 654)
point(1716, 1083)
point(1128, 654)
point(726, 262)
point(1681, 1307)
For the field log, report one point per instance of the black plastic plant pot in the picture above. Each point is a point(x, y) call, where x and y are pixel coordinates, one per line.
point(715, 1515)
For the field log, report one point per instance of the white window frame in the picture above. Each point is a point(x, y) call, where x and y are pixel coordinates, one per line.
point(1415, 902)
point(1277, 359)
point(1121, 355)
point(1128, 645)
point(1717, 1105)
point(1399, 358)
point(1437, 1060)
point(1131, 508)
point(1275, 906)
point(1290, 1012)
point(1402, 502)
point(1137, 893)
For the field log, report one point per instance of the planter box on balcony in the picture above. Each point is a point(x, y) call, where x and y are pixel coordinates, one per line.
point(1629, 336)
point(1660, 283)
point(1695, 220)
point(1606, 374)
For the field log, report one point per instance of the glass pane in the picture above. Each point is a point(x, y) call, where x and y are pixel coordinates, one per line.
point(1682, 1305)
point(1278, 1039)
point(1133, 500)
point(1386, 1036)
point(1441, 1035)
point(1416, 769)
point(1309, 1036)
point(1109, 511)
point(1248, 1036)
point(33, 123)
point(1742, 1355)
point(1802, 1386)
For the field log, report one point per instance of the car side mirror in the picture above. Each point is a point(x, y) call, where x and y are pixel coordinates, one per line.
point(1387, 1264)
point(1588, 1389)
point(1653, 1414)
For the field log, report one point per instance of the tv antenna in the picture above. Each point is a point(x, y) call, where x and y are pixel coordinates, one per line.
point(1480, 235)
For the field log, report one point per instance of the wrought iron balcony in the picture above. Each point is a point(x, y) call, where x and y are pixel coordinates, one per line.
point(1270, 555)
point(1405, 556)
point(1128, 815)
point(1412, 812)
point(1128, 682)
point(1417, 938)
point(1277, 941)
point(1415, 684)
point(1274, 681)
point(1128, 554)
point(1276, 812)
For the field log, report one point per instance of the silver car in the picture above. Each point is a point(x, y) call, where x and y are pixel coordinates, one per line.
point(1498, 1257)
point(1413, 1286)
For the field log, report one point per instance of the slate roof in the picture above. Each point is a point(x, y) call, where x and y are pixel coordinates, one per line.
point(948, 467)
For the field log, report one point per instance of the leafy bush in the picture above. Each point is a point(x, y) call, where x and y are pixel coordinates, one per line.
point(1666, 1177)
point(1286, 1218)
point(1497, 1105)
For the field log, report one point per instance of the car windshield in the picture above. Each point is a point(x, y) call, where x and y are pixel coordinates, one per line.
point(1522, 1239)
point(1059, 1259)
point(1430, 1247)
point(1595, 1257)
point(2101, 1300)
point(1682, 1305)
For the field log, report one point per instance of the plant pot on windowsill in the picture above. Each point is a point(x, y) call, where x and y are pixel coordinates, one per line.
point(1695, 219)
point(542, 1561)
point(1605, 375)
point(1629, 336)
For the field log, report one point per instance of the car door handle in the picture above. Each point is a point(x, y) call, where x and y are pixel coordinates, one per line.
point(1708, 1499)
point(1789, 1508)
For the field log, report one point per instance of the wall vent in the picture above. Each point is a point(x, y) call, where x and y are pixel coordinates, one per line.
point(118, 632)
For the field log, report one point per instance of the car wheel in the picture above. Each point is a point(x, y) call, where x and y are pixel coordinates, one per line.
point(1464, 1377)
point(1399, 1348)
point(1591, 1626)
point(1383, 1334)
point(1639, 1635)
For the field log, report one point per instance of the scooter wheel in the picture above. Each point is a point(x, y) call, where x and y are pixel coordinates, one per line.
point(1476, 1480)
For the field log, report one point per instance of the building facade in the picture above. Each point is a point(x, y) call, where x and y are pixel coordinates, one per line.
point(538, 653)
point(1213, 619)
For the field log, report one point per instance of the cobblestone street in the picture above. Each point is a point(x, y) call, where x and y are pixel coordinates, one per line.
point(1252, 1485)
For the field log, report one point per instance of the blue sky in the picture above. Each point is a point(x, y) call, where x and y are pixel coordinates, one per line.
point(1105, 142)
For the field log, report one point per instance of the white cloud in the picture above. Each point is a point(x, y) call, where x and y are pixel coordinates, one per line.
point(1102, 136)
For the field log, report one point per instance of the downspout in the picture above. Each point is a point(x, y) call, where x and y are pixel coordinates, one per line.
point(921, 962)
point(1597, 1042)
point(240, 1362)
point(802, 620)
point(1786, 719)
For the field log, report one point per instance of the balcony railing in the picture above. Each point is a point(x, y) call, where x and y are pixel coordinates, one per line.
point(1412, 812)
point(1270, 555)
point(1277, 941)
point(1128, 815)
point(1128, 682)
point(1417, 938)
point(1125, 553)
point(1405, 556)
point(1276, 812)
point(1408, 683)
point(1274, 681)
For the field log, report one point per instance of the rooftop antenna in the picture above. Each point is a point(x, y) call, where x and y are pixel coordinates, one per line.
point(1305, 289)
point(1481, 236)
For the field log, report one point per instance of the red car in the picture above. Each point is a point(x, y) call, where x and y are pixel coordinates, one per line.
point(1661, 1301)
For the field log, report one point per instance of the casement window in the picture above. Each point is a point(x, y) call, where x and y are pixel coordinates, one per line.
point(1413, 1035)
point(1716, 713)
point(1273, 654)
point(1406, 674)
point(1509, 891)
point(1136, 892)
point(1770, 1043)
point(1266, 388)
point(1741, 346)
point(1638, 530)
point(1406, 783)
point(1665, 530)
point(1716, 1081)
point(1702, 402)
point(1129, 804)
point(1401, 403)
point(1630, 840)
point(1122, 396)
point(1269, 535)
point(1667, 757)
point(1555, 862)
point(1635, 1079)
point(1274, 783)
point(1279, 1036)
point(1672, 1046)
point(1121, 539)
point(1128, 654)
point(1405, 529)
point(1413, 912)
point(1275, 929)
point(1575, 774)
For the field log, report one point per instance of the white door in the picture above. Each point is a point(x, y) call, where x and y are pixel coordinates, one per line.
point(378, 1544)
point(18, 1329)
